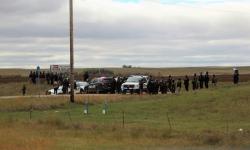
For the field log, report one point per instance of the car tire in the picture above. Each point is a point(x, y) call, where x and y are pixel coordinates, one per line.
point(81, 91)
point(97, 91)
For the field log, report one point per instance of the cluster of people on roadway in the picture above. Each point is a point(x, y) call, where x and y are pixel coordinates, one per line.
point(171, 85)
point(154, 85)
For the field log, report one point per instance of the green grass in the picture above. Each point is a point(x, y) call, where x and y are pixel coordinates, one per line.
point(203, 119)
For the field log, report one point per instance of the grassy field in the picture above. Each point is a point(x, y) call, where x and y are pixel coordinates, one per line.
point(15, 89)
point(152, 71)
point(206, 119)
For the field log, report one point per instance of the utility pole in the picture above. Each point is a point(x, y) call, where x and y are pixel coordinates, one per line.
point(72, 99)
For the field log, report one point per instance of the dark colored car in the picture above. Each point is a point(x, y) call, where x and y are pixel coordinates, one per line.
point(102, 85)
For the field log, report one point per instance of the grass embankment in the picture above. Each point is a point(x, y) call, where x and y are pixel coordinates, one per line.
point(203, 119)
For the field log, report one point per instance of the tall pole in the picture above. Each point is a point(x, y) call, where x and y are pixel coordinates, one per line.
point(71, 52)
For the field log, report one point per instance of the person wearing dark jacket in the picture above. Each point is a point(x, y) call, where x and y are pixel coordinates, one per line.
point(24, 90)
point(236, 76)
point(118, 85)
point(150, 85)
point(141, 86)
point(206, 79)
point(186, 83)
point(113, 86)
point(170, 83)
point(163, 87)
point(173, 89)
point(201, 80)
point(194, 82)
point(86, 76)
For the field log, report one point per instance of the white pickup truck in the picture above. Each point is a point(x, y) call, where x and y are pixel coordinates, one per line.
point(132, 85)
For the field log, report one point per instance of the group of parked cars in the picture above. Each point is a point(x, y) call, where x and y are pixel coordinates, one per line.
point(107, 85)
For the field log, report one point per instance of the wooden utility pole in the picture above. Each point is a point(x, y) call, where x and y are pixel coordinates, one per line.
point(72, 99)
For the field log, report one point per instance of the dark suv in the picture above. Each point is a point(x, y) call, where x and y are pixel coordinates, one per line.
point(102, 85)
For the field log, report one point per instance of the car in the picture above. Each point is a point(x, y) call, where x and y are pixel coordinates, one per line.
point(132, 84)
point(51, 91)
point(81, 87)
point(101, 85)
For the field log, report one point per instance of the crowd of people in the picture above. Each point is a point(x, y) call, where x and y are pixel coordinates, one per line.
point(171, 85)
point(155, 85)
point(54, 79)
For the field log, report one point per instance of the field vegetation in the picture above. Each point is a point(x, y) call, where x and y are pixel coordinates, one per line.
point(217, 118)
point(15, 88)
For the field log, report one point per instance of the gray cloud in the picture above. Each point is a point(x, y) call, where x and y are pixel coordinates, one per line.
point(29, 7)
point(112, 34)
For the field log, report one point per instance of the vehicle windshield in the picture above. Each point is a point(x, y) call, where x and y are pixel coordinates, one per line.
point(107, 80)
point(134, 79)
point(82, 83)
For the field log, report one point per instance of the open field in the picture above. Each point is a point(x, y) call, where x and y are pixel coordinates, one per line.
point(15, 88)
point(152, 71)
point(206, 119)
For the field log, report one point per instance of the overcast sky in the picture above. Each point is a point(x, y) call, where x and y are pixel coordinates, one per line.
point(110, 33)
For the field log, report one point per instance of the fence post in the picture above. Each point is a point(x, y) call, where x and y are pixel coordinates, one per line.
point(169, 123)
point(86, 108)
point(69, 115)
point(123, 119)
point(105, 108)
point(30, 113)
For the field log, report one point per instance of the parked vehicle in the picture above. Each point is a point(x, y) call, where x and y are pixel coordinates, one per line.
point(81, 87)
point(101, 85)
point(59, 91)
point(132, 85)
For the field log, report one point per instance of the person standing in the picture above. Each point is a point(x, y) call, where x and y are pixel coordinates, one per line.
point(201, 80)
point(118, 85)
point(149, 85)
point(113, 86)
point(206, 79)
point(24, 90)
point(194, 82)
point(179, 84)
point(170, 83)
point(141, 86)
point(236, 76)
point(214, 80)
point(56, 86)
point(173, 89)
point(186, 83)
point(86, 76)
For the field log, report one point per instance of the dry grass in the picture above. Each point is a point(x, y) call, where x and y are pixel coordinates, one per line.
point(15, 89)
point(20, 137)
point(53, 102)
point(52, 134)
point(35, 103)
point(199, 120)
